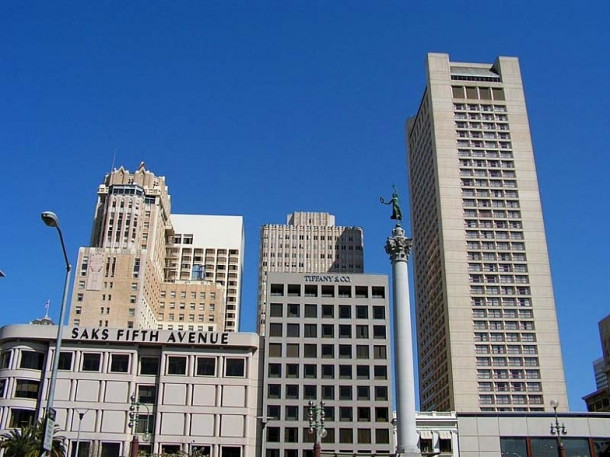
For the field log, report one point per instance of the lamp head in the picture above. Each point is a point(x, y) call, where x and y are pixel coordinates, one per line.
point(554, 404)
point(50, 218)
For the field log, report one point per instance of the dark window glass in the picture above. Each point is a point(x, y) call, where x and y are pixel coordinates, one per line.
point(292, 370)
point(292, 350)
point(273, 434)
point(176, 365)
point(21, 417)
point(364, 414)
point(363, 392)
point(274, 370)
point(328, 371)
point(362, 351)
point(275, 349)
point(291, 435)
point(345, 331)
point(119, 363)
point(275, 310)
point(362, 312)
point(362, 372)
point(273, 412)
point(291, 413)
point(310, 351)
point(345, 392)
point(345, 312)
point(293, 310)
point(381, 393)
point(345, 414)
point(328, 331)
point(27, 389)
point(309, 392)
point(382, 436)
point(328, 392)
point(328, 351)
point(311, 310)
point(379, 331)
point(110, 449)
point(275, 329)
point(292, 330)
point(65, 361)
point(274, 391)
point(147, 394)
point(381, 414)
point(292, 391)
point(235, 367)
point(328, 311)
point(381, 372)
point(362, 331)
point(378, 312)
point(206, 366)
point(345, 372)
point(380, 352)
point(346, 435)
point(5, 360)
point(31, 359)
point(310, 331)
point(149, 365)
point(228, 451)
point(310, 371)
point(345, 351)
point(364, 435)
point(91, 362)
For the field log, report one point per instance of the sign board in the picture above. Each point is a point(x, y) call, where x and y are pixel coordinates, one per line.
point(49, 428)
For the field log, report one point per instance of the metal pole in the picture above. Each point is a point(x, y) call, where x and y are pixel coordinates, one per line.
point(80, 420)
point(50, 219)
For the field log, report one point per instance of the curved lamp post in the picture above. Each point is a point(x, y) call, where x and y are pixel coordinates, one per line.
point(51, 220)
point(558, 430)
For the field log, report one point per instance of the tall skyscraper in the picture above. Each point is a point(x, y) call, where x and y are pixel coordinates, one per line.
point(486, 321)
point(147, 268)
point(600, 399)
point(310, 242)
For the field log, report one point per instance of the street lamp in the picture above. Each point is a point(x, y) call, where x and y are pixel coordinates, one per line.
point(316, 425)
point(134, 418)
point(51, 220)
point(558, 430)
point(80, 420)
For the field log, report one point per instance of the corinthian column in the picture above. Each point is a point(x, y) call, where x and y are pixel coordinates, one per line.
point(398, 247)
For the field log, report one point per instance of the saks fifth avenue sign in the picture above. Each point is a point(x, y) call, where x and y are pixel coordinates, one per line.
point(149, 336)
point(328, 278)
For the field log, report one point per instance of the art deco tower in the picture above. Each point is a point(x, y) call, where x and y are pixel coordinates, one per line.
point(148, 268)
point(486, 322)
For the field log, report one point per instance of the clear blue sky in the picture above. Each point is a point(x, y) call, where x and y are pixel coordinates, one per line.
point(263, 108)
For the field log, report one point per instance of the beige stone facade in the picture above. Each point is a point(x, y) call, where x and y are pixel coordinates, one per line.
point(147, 268)
point(486, 322)
point(310, 242)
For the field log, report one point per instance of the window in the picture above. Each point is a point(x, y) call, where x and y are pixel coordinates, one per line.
point(292, 370)
point(91, 362)
point(292, 330)
point(310, 350)
point(291, 435)
point(176, 365)
point(206, 366)
point(149, 365)
point(119, 363)
point(291, 413)
point(235, 367)
point(309, 392)
point(381, 393)
point(310, 371)
point(292, 391)
point(27, 389)
point(275, 349)
point(345, 414)
point(328, 331)
point(362, 312)
point(362, 331)
point(275, 329)
point(364, 435)
point(274, 370)
point(346, 435)
point(293, 310)
point(382, 436)
point(345, 372)
point(379, 331)
point(292, 350)
point(5, 360)
point(328, 392)
point(345, 392)
point(345, 331)
point(362, 351)
point(310, 331)
point(273, 434)
point(363, 392)
point(21, 417)
point(362, 372)
point(328, 351)
point(275, 310)
point(328, 372)
point(328, 311)
point(311, 310)
point(65, 361)
point(147, 394)
point(345, 351)
point(364, 414)
point(345, 312)
point(31, 359)
point(380, 352)
point(274, 391)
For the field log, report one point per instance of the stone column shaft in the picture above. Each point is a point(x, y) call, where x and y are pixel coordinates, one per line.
point(398, 247)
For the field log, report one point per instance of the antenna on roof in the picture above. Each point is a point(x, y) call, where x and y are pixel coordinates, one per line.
point(113, 159)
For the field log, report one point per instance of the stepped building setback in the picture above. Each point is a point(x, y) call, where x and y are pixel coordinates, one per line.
point(147, 268)
point(486, 322)
point(310, 242)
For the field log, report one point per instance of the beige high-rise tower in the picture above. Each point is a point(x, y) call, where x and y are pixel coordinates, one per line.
point(486, 324)
point(310, 242)
point(147, 268)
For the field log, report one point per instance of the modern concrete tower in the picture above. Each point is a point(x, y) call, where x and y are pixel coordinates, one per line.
point(148, 268)
point(486, 324)
point(328, 340)
point(310, 242)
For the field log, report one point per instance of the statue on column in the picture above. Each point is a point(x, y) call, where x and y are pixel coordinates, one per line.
point(395, 202)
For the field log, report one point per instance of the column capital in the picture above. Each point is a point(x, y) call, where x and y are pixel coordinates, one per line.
point(398, 246)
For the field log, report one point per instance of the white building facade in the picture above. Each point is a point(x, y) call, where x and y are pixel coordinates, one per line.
point(194, 391)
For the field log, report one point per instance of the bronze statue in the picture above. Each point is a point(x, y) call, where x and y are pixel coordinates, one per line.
point(395, 202)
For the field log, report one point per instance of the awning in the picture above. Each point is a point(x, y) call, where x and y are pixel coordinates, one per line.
point(444, 434)
point(425, 435)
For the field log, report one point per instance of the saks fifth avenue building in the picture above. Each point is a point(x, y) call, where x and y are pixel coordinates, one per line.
point(192, 392)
